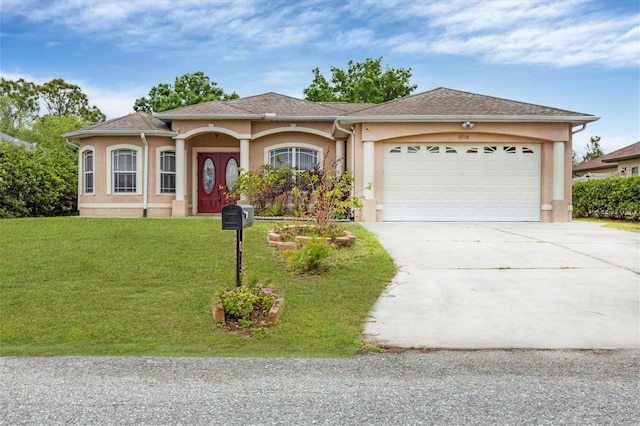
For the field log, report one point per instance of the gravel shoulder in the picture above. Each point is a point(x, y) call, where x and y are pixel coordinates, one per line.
point(436, 387)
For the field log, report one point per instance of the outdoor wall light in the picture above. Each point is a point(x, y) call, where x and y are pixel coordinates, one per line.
point(468, 124)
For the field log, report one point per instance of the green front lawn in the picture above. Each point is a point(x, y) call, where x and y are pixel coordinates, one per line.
point(81, 286)
point(623, 225)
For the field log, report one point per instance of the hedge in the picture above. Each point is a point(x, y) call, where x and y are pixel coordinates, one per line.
point(614, 198)
point(37, 182)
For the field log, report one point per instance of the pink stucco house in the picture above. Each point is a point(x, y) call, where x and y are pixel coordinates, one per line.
point(438, 155)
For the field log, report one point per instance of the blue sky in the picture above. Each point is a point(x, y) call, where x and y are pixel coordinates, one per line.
point(581, 55)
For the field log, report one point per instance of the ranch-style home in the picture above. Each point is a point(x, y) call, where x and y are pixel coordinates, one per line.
point(622, 162)
point(440, 155)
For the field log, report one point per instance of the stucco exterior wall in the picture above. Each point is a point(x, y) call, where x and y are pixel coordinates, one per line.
point(102, 203)
point(625, 167)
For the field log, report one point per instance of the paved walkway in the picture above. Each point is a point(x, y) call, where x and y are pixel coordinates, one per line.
point(509, 285)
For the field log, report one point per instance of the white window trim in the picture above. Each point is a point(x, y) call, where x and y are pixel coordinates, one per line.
point(139, 182)
point(316, 148)
point(81, 183)
point(159, 152)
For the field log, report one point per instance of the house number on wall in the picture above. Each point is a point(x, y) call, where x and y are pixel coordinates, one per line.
point(463, 137)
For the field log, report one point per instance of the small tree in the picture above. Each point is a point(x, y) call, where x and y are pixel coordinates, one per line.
point(593, 149)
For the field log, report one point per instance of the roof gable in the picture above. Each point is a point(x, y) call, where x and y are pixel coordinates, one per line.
point(449, 102)
point(258, 105)
point(285, 105)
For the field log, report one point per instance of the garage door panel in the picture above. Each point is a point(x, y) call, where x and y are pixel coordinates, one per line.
point(462, 182)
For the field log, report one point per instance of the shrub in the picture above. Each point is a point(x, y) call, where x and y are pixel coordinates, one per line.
point(311, 257)
point(615, 198)
point(37, 182)
point(319, 194)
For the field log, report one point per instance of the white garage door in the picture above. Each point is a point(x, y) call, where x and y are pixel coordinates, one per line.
point(456, 182)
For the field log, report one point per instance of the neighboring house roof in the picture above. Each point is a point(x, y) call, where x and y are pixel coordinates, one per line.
point(132, 124)
point(10, 139)
point(610, 160)
point(627, 153)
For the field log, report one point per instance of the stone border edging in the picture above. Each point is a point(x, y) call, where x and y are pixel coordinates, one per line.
point(275, 240)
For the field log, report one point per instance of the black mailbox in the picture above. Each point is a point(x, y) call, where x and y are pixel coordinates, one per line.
point(237, 217)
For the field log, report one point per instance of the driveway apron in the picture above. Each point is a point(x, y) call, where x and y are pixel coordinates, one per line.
point(508, 285)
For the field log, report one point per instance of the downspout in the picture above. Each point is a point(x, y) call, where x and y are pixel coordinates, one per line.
point(584, 126)
point(79, 174)
point(353, 158)
point(145, 187)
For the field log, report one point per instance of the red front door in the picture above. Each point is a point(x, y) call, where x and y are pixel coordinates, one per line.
point(217, 174)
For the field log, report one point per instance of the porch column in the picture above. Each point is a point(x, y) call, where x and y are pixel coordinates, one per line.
point(179, 205)
point(559, 204)
point(339, 157)
point(244, 154)
point(368, 176)
point(244, 161)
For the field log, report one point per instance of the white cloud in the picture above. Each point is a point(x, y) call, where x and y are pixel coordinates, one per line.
point(543, 32)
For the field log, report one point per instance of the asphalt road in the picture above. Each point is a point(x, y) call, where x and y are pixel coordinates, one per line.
point(441, 387)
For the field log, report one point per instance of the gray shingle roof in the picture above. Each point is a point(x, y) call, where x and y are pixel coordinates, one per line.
point(434, 105)
point(285, 105)
point(449, 102)
point(267, 103)
point(135, 123)
point(626, 153)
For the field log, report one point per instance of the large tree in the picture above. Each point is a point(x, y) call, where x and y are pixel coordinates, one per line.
point(19, 104)
point(62, 98)
point(188, 89)
point(360, 82)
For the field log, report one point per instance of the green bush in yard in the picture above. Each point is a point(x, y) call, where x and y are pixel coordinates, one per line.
point(37, 182)
point(614, 198)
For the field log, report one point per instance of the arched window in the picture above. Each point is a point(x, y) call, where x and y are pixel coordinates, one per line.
point(166, 170)
point(88, 169)
point(124, 165)
point(297, 158)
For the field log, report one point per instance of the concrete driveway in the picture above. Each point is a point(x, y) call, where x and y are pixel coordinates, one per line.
point(508, 285)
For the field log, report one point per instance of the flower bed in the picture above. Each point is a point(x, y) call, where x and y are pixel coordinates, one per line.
point(293, 236)
point(246, 309)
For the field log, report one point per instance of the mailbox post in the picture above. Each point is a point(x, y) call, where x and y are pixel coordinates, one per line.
point(237, 217)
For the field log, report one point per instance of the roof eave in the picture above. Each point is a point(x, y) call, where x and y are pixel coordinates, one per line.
point(164, 117)
point(580, 119)
point(618, 159)
point(262, 117)
point(80, 134)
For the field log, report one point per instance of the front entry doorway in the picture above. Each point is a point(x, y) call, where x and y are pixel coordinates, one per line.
point(217, 175)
